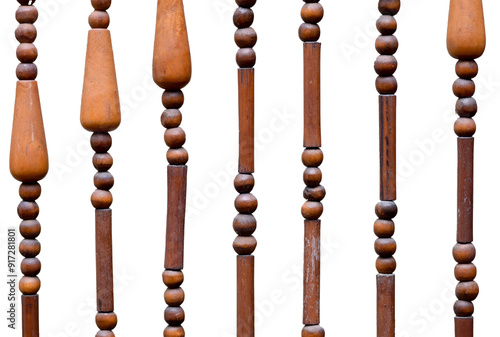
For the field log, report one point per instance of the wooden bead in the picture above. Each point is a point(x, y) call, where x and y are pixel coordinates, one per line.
point(314, 193)
point(386, 44)
point(30, 229)
point(26, 71)
point(29, 285)
point(105, 333)
point(29, 248)
point(246, 203)
point(174, 316)
point(463, 88)
point(244, 224)
point(463, 308)
point(102, 161)
point(389, 7)
point(464, 253)
point(26, 14)
point(26, 33)
point(246, 3)
point(174, 331)
point(175, 137)
point(386, 65)
point(106, 320)
point(101, 199)
point(99, 20)
point(172, 99)
point(103, 180)
point(177, 156)
point(465, 272)
point(101, 5)
point(386, 210)
point(385, 265)
point(309, 32)
point(312, 210)
point(243, 17)
point(245, 38)
point(312, 12)
point(467, 291)
point(246, 57)
point(466, 107)
point(466, 69)
point(26, 2)
point(30, 192)
point(101, 142)
point(171, 118)
point(466, 38)
point(31, 266)
point(387, 25)
point(384, 228)
point(312, 157)
point(244, 245)
point(313, 331)
point(173, 278)
point(244, 183)
point(27, 210)
point(386, 85)
point(465, 127)
point(312, 176)
point(385, 247)
point(174, 297)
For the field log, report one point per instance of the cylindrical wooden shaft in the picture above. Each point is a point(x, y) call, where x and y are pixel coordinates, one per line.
point(465, 189)
point(386, 305)
point(312, 261)
point(30, 315)
point(104, 260)
point(387, 142)
point(176, 208)
point(245, 298)
point(246, 120)
point(312, 93)
point(464, 326)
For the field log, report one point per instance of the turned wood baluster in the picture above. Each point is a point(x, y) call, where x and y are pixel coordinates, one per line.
point(466, 41)
point(172, 72)
point(385, 246)
point(244, 223)
point(312, 157)
point(100, 114)
point(28, 162)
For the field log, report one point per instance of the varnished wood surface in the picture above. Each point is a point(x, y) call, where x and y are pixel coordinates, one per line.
point(386, 313)
point(312, 94)
point(387, 145)
point(465, 189)
point(30, 315)
point(245, 299)
point(246, 119)
point(312, 264)
point(104, 260)
point(466, 38)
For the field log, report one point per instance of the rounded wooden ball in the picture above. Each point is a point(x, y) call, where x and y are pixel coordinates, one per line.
point(386, 210)
point(177, 156)
point(314, 193)
point(312, 12)
point(172, 99)
point(29, 248)
point(463, 88)
point(31, 266)
point(246, 203)
point(466, 69)
point(175, 137)
point(29, 285)
point(26, 33)
point(465, 127)
point(101, 142)
point(102, 161)
point(465, 272)
point(244, 183)
point(174, 297)
point(104, 180)
point(245, 37)
point(464, 253)
point(385, 265)
point(467, 291)
point(313, 331)
point(101, 5)
point(28, 210)
point(26, 14)
point(246, 3)
point(26, 71)
point(466, 107)
point(30, 229)
point(387, 25)
point(106, 320)
point(244, 224)
point(246, 57)
point(386, 85)
point(463, 308)
point(30, 191)
point(243, 17)
point(244, 245)
point(309, 32)
point(312, 176)
point(173, 278)
point(312, 157)
point(99, 20)
point(389, 7)
point(384, 228)
point(26, 2)
point(174, 331)
point(385, 247)
point(101, 199)
point(171, 118)
point(312, 210)
point(385, 65)
point(386, 44)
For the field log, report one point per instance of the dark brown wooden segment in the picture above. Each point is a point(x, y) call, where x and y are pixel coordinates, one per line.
point(246, 120)
point(245, 296)
point(312, 94)
point(464, 326)
point(176, 210)
point(312, 262)
point(104, 260)
point(465, 189)
point(30, 315)
point(387, 105)
point(385, 305)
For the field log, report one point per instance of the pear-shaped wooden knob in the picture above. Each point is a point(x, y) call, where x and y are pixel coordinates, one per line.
point(171, 58)
point(466, 38)
point(29, 161)
point(100, 110)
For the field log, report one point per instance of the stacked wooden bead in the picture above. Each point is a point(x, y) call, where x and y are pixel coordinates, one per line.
point(26, 34)
point(312, 13)
point(174, 297)
point(171, 118)
point(244, 223)
point(245, 36)
point(103, 180)
point(99, 18)
point(465, 272)
point(466, 106)
point(314, 192)
point(387, 45)
point(385, 246)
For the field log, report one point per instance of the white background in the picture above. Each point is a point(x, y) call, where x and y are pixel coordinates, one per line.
point(426, 170)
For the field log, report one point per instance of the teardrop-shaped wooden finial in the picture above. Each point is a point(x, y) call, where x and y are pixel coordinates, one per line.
point(100, 110)
point(171, 58)
point(466, 38)
point(29, 161)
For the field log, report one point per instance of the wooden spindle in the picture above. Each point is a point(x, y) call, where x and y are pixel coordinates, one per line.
point(385, 246)
point(244, 223)
point(172, 71)
point(100, 114)
point(28, 162)
point(312, 157)
point(466, 41)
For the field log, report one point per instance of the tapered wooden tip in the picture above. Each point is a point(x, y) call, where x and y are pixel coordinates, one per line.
point(171, 58)
point(100, 110)
point(29, 161)
point(466, 33)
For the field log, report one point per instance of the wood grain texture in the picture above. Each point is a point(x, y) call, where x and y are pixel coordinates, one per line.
point(387, 143)
point(386, 316)
point(30, 315)
point(465, 190)
point(171, 56)
point(246, 120)
point(312, 263)
point(464, 326)
point(312, 94)
point(100, 109)
point(466, 38)
point(29, 160)
point(245, 296)
point(104, 260)
point(176, 209)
